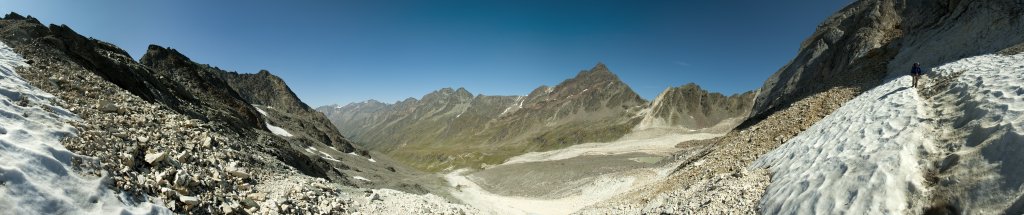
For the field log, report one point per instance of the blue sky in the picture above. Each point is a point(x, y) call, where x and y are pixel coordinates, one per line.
point(346, 51)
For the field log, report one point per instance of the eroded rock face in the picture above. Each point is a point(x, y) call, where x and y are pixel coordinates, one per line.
point(860, 44)
point(691, 107)
point(454, 128)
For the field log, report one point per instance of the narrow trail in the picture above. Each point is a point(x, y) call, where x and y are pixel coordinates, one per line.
point(979, 106)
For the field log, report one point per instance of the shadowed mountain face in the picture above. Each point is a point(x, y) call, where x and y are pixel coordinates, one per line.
point(453, 128)
point(204, 94)
point(691, 107)
point(267, 90)
point(219, 95)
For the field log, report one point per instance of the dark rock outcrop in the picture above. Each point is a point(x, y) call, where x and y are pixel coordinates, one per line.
point(205, 95)
point(267, 90)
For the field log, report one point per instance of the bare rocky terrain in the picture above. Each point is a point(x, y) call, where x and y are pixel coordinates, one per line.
point(189, 142)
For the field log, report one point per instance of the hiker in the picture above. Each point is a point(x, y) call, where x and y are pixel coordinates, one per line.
point(916, 73)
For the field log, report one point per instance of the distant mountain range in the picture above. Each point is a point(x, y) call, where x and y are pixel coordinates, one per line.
point(452, 128)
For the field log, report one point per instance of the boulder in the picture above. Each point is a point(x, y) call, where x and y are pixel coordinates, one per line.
point(152, 158)
point(189, 200)
point(106, 106)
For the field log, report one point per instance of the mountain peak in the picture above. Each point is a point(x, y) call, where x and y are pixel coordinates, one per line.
point(14, 16)
point(158, 54)
point(462, 92)
point(599, 73)
point(448, 92)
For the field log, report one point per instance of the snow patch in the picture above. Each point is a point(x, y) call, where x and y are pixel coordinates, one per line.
point(328, 157)
point(261, 111)
point(36, 174)
point(360, 178)
point(278, 130)
point(516, 105)
point(357, 155)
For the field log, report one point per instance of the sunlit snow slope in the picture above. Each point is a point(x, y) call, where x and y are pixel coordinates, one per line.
point(872, 155)
point(35, 169)
point(981, 168)
point(861, 159)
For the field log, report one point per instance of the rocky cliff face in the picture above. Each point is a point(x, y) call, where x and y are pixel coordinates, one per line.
point(203, 94)
point(691, 107)
point(860, 44)
point(453, 128)
point(269, 91)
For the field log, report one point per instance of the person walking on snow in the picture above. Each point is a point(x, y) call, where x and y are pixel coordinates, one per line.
point(916, 73)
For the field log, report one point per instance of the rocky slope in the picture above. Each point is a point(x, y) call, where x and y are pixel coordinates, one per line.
point(897, 33)
point(693, 108)
point(172, 132)
point(453, 128)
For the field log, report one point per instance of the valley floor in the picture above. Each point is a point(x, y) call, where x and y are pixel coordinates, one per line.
point(563, 181)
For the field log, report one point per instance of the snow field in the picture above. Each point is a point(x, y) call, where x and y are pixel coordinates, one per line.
point(861, 159)
point(871, 155)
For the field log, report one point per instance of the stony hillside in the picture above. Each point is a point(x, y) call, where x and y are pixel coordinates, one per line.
point(453, 128)
point(693, 108)
point(175, 133)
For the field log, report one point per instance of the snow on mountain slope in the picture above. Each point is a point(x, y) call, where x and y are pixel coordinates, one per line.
point(278, 130)
point(861, 159)
point(274, 129)
point(872, 155)
point(36, 176)
point(981, 170)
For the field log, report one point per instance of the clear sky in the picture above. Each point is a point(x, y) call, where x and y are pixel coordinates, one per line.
point(345, 51)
